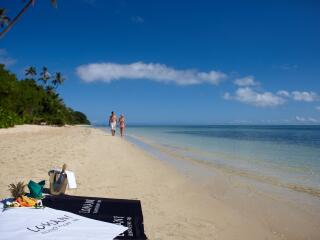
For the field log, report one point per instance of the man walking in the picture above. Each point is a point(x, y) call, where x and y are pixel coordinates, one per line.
point(113, 123)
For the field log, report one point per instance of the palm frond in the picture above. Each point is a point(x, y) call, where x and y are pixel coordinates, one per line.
point(2, 12)
point(4, 20)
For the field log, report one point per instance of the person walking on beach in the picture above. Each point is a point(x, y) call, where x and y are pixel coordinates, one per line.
point(122, 125)
point(113, 123)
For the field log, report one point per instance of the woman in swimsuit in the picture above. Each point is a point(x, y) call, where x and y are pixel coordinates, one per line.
point(121, 124)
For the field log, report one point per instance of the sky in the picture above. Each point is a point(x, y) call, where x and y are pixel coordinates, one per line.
point(175, 62)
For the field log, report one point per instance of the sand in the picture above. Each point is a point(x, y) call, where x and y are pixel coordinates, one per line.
point(177, 204)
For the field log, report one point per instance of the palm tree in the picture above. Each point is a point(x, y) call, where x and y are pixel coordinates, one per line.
point(44, 76)
point(31, 71)
point(16, 18)
point(4, 20)
point(58, 79)
point(50, 89)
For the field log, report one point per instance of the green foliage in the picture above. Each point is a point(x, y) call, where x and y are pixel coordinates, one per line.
point(79, 117)
point(25, 101)
point(8, 119)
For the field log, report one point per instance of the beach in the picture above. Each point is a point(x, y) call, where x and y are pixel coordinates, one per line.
point(193, 203)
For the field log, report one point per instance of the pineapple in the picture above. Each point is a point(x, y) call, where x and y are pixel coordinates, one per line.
point(17, 190)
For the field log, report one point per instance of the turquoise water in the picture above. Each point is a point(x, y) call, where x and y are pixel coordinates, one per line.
point(286, 155)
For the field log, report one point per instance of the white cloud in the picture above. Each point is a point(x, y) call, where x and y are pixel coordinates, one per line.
point(250, 96)
point(288, 66)
point(306, 120)
point(108, 72)
point(300, 119)
point(304, 96)
point(4, 59)
point(246, 82)
point(283, 93)
point(312, 120)
point(137, 19)
point(299, 96)
point(227, 96)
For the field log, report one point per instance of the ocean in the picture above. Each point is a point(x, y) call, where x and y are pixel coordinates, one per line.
point(288, 156)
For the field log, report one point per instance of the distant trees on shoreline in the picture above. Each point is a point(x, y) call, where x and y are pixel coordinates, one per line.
point(34, 101)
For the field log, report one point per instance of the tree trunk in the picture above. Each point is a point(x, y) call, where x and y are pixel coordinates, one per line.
point(16, 19)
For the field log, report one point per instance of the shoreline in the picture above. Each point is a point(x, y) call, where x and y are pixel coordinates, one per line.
point(175, 205)
point(174, 156)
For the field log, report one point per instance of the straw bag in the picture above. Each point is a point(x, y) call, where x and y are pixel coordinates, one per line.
point(58, 181)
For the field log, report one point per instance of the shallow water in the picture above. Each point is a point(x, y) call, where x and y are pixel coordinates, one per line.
point(288, 156)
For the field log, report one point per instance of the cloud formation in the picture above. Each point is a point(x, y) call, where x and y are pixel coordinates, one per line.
point(108, 72)
point(283, 93)
point(137, 19)
point(306, 120)
point(265, 99)
point(318, 108)
point(246, 82)
point(4, 59)
point(260, 99)
point(285, 66)
point(304, 96)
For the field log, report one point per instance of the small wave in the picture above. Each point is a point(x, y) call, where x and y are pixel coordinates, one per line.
point(232, 170)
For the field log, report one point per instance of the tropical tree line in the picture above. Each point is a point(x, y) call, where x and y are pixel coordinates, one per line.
point(34, 100)
point(45, 79)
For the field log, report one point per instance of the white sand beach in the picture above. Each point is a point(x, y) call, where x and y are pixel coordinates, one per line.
point(175, 205)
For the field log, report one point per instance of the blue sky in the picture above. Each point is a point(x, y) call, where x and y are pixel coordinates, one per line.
point(176, 62)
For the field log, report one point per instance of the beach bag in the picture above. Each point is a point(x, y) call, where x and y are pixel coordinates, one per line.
point(58, 181)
